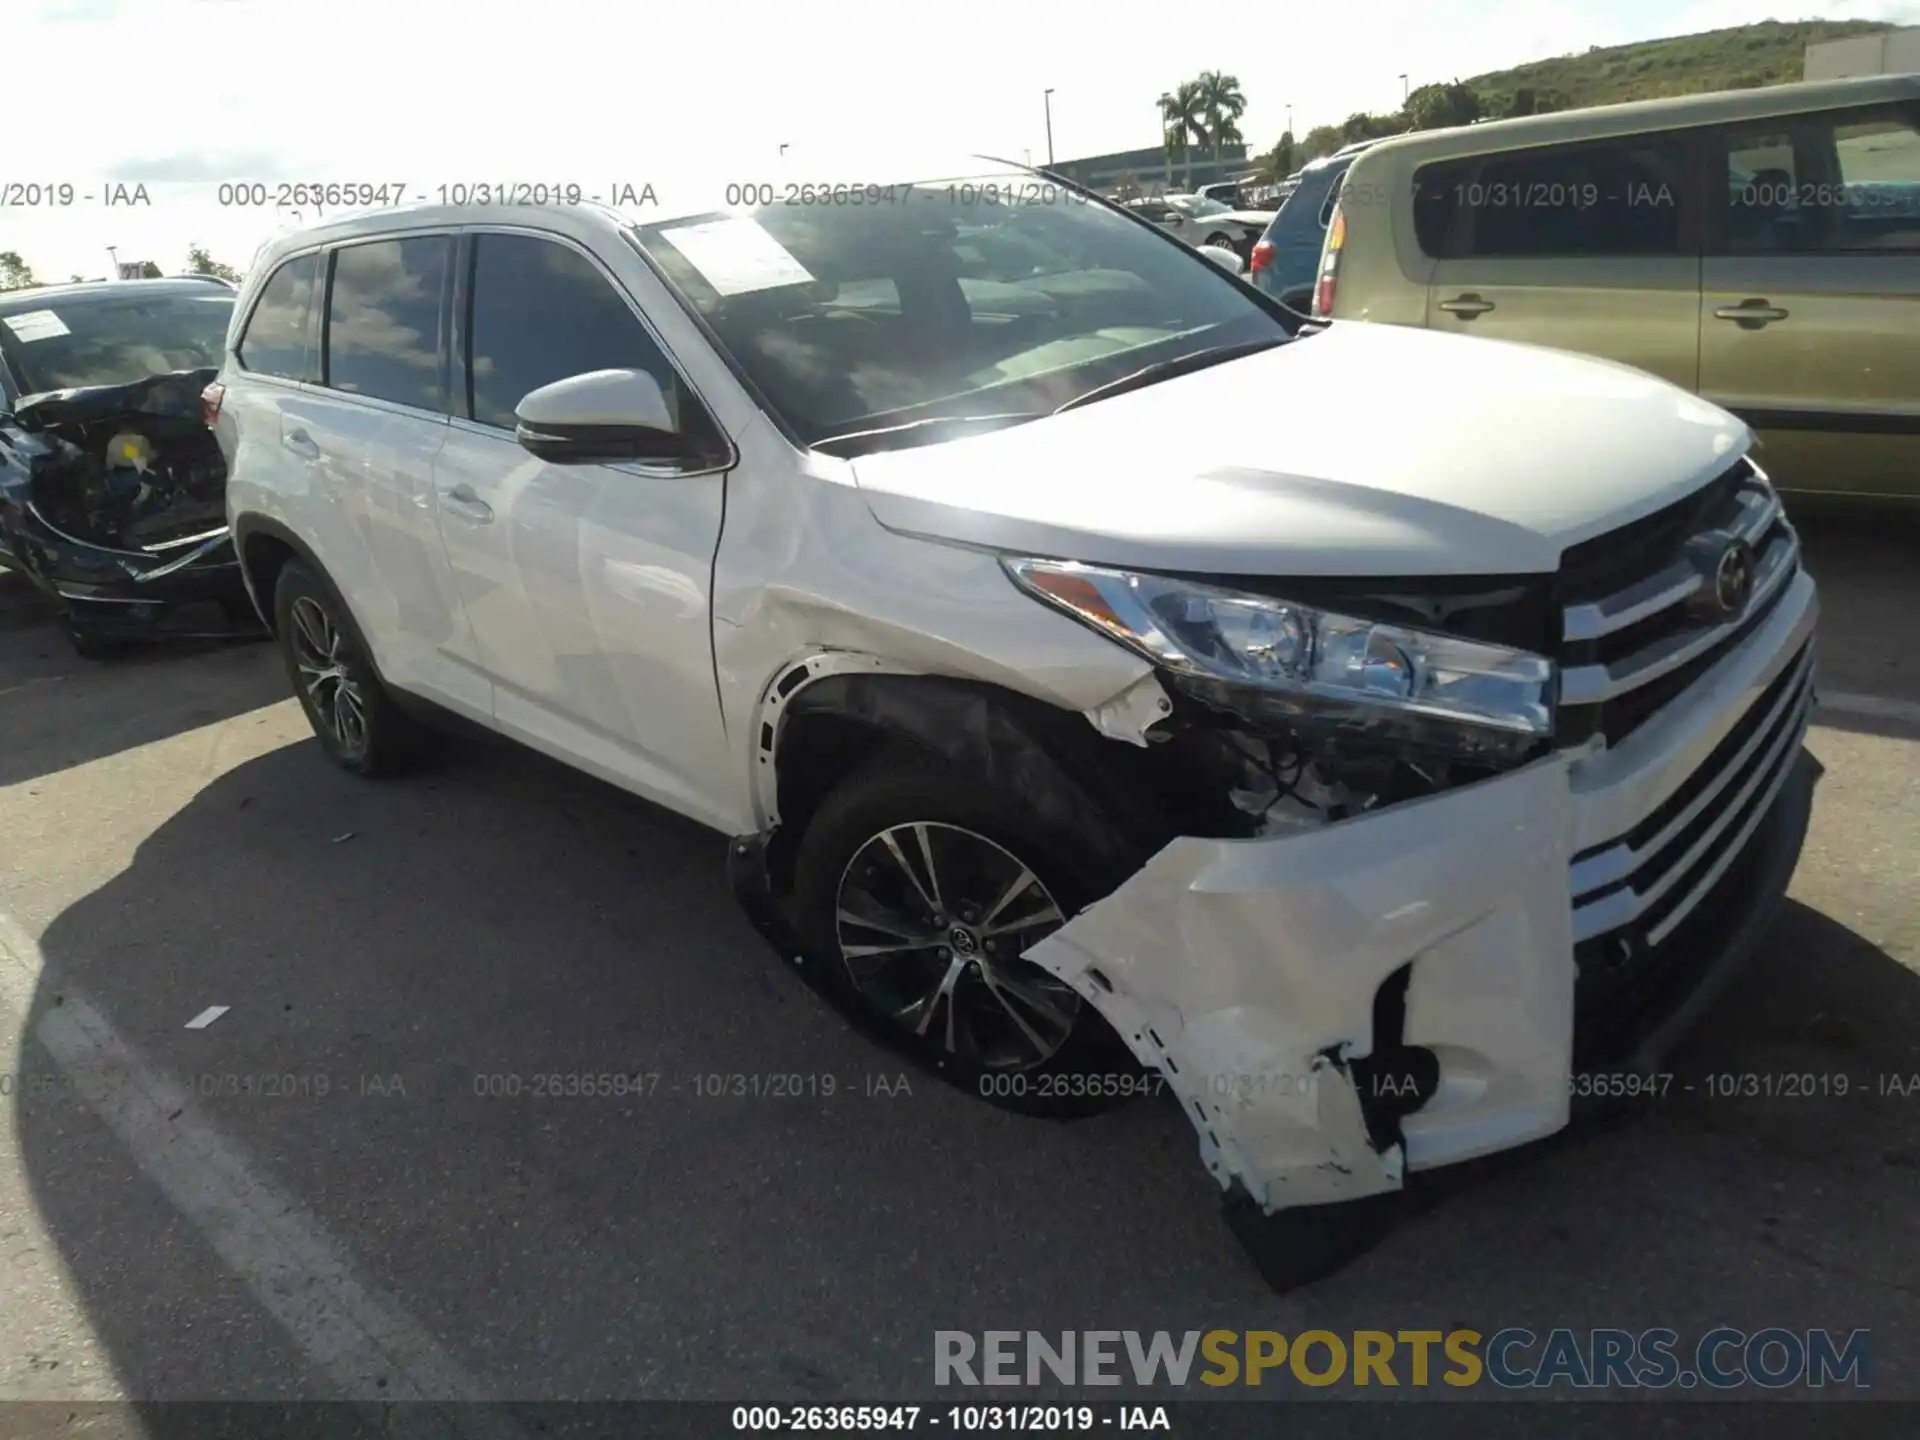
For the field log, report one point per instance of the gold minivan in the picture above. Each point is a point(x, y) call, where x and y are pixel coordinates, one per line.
point(1759, 247)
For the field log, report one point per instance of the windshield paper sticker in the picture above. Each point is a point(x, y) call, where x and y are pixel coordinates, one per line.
point(35, 325)
point(737, 256)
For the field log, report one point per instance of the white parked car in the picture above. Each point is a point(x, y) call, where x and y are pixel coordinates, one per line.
point(1379, 788)
point(1199, 220)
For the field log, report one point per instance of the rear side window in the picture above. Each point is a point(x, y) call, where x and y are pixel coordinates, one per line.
point(542, 311)
point(1616, 198)
point(383, 320)
point(1845, 183)
point(277, 341)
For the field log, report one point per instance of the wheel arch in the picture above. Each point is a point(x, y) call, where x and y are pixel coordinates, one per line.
point(264, 547)
point(829, 713)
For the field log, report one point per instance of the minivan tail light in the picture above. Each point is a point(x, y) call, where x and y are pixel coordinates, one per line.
point(1329, 265)
point(1262, 256)
point(210, 399)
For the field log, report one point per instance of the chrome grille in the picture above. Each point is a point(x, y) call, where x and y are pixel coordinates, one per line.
point(1634, 634)
point(1644, 884)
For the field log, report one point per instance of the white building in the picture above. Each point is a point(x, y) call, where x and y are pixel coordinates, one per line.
point(1892, 52)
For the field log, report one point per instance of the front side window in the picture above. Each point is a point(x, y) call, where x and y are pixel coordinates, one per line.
point(383, 320)
point(1614, 198)
point(542, 311)
point(277, 341)
point(924, 304)
point(114, 340)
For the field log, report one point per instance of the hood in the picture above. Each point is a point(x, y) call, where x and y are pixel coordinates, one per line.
point(174, 394)
point(1365, 450)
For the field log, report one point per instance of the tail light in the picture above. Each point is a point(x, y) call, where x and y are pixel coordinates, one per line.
point(210, 399)
point(1329, 265)
point(1262, 256)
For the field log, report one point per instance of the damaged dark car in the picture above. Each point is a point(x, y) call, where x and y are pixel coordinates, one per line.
point(112, 490)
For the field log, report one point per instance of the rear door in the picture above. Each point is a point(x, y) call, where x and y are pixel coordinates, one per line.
point(368, 433)
point(1810, 312)
point(1590, 247)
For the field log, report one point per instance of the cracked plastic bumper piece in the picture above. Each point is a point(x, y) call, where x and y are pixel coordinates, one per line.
point(1246, 971)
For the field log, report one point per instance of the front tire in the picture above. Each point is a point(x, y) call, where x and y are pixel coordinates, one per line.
point(920, 889)
point(354, 717)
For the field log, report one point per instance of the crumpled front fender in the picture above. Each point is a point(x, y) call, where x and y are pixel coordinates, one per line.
point(1246, 972)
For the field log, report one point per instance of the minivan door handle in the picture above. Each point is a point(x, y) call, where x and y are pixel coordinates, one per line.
point(1750, 314)
point(1466, 306)
point(468, 506)
point(301, 444)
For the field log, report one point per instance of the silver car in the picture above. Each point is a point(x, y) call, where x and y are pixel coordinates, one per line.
point(1200, 221)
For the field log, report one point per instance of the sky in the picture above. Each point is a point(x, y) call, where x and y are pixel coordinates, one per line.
point(603, 93)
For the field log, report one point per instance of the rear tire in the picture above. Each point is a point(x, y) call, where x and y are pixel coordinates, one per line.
point(907, 888)
point(356, 720)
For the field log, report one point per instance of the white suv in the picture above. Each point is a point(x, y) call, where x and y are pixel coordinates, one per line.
point(1381, 777)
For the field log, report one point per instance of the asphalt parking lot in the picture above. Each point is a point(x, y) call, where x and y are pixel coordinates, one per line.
point(334, 1168)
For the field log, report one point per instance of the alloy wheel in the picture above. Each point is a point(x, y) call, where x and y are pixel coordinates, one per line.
point(932, 921)
point(334, 696)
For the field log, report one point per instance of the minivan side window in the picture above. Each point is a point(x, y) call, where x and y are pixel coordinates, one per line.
point(1839, 183)
point(276, 340)
point(541, 311)
point(383, 320)
point(1612, 198)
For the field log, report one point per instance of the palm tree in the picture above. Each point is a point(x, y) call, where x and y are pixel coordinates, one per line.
point(1222, 102)
point(1182, 114)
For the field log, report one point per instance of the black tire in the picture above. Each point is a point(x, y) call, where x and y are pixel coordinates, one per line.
point(1225, 242)
point(371, 736)
point(1091, 1070)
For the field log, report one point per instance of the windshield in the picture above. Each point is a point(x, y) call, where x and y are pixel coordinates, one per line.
point(87, 340)
point(1000, 296)
point(1199, 206)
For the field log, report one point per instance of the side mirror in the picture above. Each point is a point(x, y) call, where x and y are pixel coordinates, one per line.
point(600, 416)
point(1227, 260)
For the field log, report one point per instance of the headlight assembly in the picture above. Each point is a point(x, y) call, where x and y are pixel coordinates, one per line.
point(1263, 656)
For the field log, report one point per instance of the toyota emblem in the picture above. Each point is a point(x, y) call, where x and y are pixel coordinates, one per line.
point(1733, 578)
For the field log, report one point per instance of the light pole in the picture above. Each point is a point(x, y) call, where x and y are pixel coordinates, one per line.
point(1403, 92)
point(1047, 98)
point(1289, 119)
point(113, 256)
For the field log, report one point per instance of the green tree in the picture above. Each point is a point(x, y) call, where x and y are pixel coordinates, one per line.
point(1222, 102)
point(1321, 140)
point(1435, 107)
point(15, 273)
point(1277, 163)
point(199, 262)
point(1183, 119)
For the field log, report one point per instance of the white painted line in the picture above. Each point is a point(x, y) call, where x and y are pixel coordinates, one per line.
point(1871, 707)
point(371, 1349)
point(207, 1016)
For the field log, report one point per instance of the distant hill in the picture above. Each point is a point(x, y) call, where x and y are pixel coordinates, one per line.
point(1769, 53)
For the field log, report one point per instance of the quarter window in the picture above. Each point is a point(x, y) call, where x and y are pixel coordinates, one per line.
point(277, 340)
point(383, 320)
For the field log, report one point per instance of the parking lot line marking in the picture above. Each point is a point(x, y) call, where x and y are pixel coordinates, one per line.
point(207, 1016)
point(1872, 707)
point(373, 1351)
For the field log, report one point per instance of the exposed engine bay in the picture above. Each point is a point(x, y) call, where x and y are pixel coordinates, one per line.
point(133, 479)
point(113, 500)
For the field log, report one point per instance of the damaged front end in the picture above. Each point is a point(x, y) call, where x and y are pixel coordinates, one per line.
point(113, 501)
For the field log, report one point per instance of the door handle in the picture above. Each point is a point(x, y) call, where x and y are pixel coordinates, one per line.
point(301, 444)
point(463, 502)
point(1750, 314)
point(1466, 306)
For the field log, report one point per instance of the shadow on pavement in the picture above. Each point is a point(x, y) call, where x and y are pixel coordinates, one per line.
point(436, 986)
point(147, 693)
